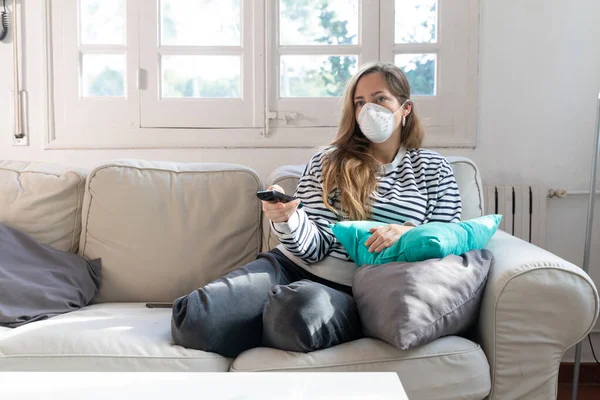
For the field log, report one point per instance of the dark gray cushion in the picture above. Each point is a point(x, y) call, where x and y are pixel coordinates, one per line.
point(408, 304)
point(38, 281)
point(305, 316)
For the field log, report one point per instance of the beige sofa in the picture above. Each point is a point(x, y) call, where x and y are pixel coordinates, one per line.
point(163, 229)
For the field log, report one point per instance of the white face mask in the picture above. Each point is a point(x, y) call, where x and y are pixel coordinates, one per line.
point(377, 122)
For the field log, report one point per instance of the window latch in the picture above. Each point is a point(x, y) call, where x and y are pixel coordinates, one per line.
point(282, 116)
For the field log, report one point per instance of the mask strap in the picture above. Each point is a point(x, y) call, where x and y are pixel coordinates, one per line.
point(402, 106)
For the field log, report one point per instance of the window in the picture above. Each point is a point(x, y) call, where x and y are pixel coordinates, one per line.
point(153, 73)
point(94, 63)
point(316, 46)
point(435, 42)
point(199, 64)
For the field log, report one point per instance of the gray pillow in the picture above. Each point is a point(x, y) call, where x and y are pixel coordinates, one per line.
point(408, 304)
point(38, 281)
point(305, 316)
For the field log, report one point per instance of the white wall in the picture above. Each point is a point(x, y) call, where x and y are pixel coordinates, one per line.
point(540, 75)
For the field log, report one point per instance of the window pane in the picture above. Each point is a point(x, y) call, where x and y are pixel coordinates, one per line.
point(317, 22)
point(103, 75)
point(315, 76)
point(201, 76)
point(102, 21)
point(420, 71)
point(416, 21)
point(200, 22)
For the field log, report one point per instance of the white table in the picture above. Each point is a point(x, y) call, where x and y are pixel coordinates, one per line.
point(200, 385)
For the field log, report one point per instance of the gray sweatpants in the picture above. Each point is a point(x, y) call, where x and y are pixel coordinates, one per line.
point(268, 302)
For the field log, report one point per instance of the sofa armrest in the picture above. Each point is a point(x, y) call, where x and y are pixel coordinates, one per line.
point(535, 306)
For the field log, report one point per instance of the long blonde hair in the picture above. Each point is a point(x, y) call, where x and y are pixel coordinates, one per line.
point(350, 167)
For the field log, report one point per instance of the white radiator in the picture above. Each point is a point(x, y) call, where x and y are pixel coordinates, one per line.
point(523, 208)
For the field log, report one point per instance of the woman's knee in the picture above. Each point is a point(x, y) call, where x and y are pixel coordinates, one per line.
point(223, 317)
point(305, 316)
point(189, 321)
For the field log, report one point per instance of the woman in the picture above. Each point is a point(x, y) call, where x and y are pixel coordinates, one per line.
point(297, 296)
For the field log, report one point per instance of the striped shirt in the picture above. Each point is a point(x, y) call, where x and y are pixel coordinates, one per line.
point(417, 187)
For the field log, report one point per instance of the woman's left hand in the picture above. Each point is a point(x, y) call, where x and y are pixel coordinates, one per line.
point(385, 236)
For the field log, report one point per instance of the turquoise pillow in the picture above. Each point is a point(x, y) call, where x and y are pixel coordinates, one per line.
point(426, 241)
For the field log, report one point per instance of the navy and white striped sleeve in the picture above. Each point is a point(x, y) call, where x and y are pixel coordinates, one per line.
point(448, 207)
point(307, 234)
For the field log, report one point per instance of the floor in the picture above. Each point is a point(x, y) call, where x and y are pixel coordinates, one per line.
point(589, 381)
point(585, 392)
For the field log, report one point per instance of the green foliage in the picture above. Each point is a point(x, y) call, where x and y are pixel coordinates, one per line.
point(168, 25)
point(175, 85)
point(107, 83)
point(181, 87)
point(340, 69)
point(422, 78)
point(329, 79)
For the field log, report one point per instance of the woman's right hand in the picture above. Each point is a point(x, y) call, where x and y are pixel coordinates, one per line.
point(279, 212)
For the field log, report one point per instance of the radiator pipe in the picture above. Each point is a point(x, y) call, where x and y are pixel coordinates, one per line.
point(588, 237)
point(580, 192)
point(560, 193)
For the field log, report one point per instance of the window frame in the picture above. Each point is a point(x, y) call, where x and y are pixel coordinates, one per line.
point(310, 112)
point(78, 112)
point(448, 121)
point(157, 112)
point(269, 128)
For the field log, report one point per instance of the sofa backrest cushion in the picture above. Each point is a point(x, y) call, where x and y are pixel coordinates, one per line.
point(164, 229)
point(466, 173)
point(43, 200)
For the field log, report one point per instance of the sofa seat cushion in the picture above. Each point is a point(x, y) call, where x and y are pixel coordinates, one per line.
point(103, 337)
point(447, 368)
